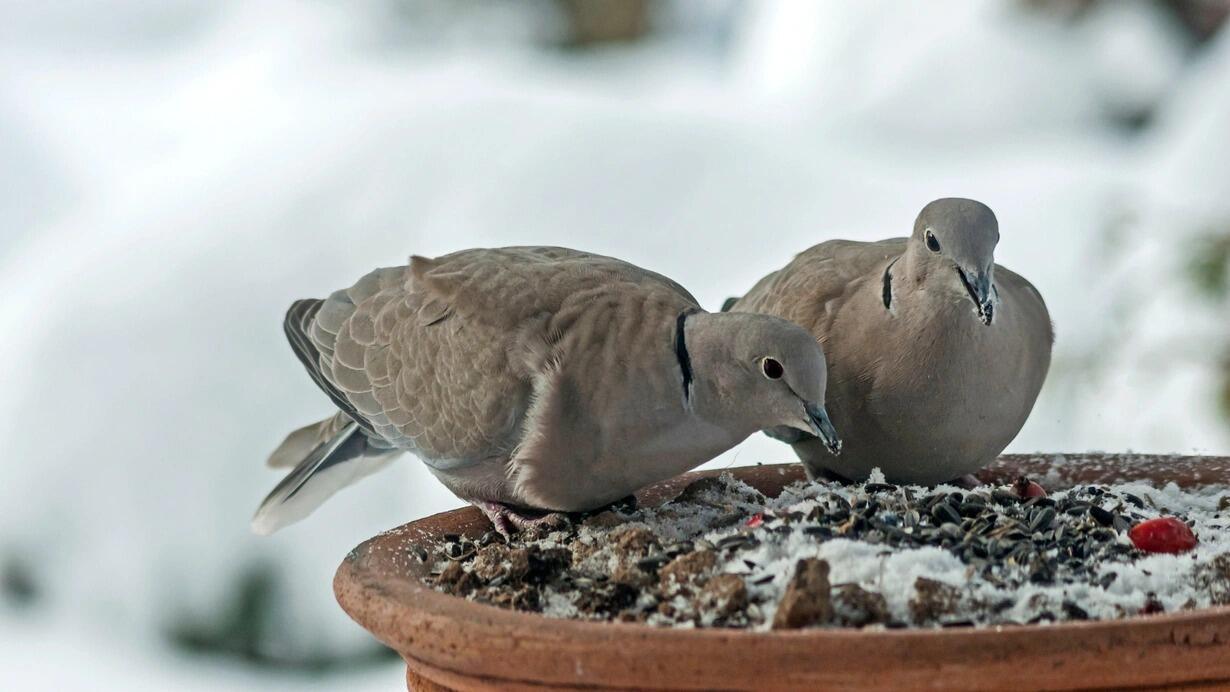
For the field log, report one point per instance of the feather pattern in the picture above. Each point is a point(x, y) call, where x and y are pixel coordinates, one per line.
point(471, 362)
point(918, 385)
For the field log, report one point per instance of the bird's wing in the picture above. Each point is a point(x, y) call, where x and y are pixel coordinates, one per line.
point(812, 286)
point(1031, 317)
point(441, 357)
point(505, 286)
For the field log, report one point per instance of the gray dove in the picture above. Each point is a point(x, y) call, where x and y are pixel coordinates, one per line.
point(935, 353)
point(533, 381)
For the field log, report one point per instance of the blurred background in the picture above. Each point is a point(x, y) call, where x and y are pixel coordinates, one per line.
point(173, 173)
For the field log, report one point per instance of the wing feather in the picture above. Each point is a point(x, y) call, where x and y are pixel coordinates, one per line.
point(430, 356)
point(299, 319)
point(806, 289)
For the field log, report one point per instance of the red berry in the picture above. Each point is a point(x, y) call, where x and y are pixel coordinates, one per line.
point(1163, 535)
point(1025, 488)
point(756, 520)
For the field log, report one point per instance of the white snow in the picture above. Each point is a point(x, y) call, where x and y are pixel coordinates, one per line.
point(52, 655)
point(893, 572)
point(767, 566)
point(173, 174)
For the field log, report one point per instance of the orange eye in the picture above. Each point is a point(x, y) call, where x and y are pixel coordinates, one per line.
point(772, 368)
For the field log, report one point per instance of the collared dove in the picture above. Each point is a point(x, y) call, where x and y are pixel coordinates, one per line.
point(535, 378)
point(935, 354)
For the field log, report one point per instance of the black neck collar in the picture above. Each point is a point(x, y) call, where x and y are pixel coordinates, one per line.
point(887, 293)
point(681, 353)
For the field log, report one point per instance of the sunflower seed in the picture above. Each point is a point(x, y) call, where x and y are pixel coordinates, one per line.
point(1074, 611)
point(1102, 516)
point(945, 513)
point(1042, 519)
point(653, 563)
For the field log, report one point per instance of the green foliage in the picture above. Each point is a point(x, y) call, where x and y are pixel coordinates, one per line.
point(249, 630)
point(1209, 270)
point(17, 583)
point(1210, 266)
point(1225, 383)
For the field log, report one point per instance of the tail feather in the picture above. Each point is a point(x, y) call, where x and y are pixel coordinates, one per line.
point(729, 303)
point(329, 467)
point(305, 440)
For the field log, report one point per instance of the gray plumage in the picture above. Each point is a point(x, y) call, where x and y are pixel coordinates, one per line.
point(935, 353)
point(534, 378)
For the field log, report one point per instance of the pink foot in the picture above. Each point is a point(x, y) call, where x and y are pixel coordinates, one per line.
point(509, 520)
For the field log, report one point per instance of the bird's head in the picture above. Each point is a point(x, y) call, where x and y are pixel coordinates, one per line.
point(770, 373)
point(956, 239)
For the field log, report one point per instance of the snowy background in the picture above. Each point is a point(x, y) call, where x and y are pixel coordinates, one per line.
point(174, 173)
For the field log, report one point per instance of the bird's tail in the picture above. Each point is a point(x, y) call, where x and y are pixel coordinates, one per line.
point(327, 457)
point(305, 440)
point(729, 303)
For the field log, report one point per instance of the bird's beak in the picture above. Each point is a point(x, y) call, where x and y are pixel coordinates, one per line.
point(981, 291)
point(823, 428)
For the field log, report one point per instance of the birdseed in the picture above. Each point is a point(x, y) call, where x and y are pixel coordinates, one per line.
point(864, 555)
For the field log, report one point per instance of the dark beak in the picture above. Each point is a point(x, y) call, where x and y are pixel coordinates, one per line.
point(981, 291)
point(823, 427)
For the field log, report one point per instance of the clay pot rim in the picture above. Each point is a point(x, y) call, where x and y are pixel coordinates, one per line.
point(420, 599)
point(439, 635)
point(436, 604)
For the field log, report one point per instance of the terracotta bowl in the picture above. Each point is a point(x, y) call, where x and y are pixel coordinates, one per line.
point(451, 643)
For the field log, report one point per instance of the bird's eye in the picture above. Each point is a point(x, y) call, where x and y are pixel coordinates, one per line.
point(933, 244)
point(772, 368)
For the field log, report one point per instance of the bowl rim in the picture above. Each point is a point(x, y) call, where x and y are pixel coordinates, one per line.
point(378, 587)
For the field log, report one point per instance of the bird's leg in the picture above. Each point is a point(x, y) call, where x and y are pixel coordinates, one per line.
point(508, 520)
